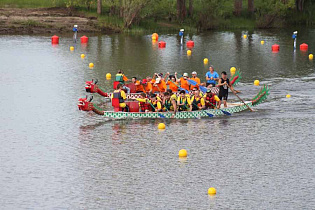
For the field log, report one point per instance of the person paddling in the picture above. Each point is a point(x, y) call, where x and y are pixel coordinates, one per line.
point(210, 101)
point(196, 79)
point(183, 102)
point(183, 82)
point(172, 83)
point(155, 103)
point(169, 103)
point(121, 95)
point(139, 86)
point(143, 103)
point(224, 85)
point(197, 101)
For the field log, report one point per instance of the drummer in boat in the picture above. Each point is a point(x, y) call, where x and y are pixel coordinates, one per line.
point(121, 78)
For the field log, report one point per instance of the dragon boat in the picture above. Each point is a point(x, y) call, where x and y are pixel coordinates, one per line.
point(85, 104)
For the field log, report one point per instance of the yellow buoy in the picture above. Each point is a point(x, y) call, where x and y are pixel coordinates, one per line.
point(245, 36)
point(232, 70)
point(216, 98)
point(310, 56)
point(82, 56)
point(212, 191)
point(91, 65)
point(256, 82)
point(161, 126)
point(188, 52)
point(182, 153)
point(205, 61)
point(288, 96)
point(71, 48)
point(108, 76)
point(262, 42)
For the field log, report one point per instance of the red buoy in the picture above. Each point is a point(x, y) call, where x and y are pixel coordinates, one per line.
point(190, 44)
point(275, 48)
point(162, 44)
point(303, 47)
point(55, 39)
point(84, 39)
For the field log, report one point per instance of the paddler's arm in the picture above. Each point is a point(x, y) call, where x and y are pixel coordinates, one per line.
point(166, 76)
point(159, 107)
point(123, 94)
point(175, 106)
point(189, 103)
point(220, 84)
point(203, 104)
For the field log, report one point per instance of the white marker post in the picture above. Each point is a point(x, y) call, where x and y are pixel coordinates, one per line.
point(294, 38)
point(181, 34)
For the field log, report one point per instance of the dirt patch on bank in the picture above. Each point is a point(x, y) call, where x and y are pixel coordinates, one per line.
point(46, 20)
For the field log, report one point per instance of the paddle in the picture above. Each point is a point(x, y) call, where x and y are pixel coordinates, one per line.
point(210, 115)
point(162, 116)
point(202, 88)
point(233, 91)
point(224, 112)
point(180, 88)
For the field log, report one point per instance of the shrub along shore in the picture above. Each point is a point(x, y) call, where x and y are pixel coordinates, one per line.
point(110, 16)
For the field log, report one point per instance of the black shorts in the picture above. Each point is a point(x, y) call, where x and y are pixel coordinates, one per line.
point(223, 96)
point(213, 84)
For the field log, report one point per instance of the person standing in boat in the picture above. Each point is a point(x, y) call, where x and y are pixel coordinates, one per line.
point(183, 101)
point(121, 95)
point(212, 77)
point(121, 78)
point(196, 79)
point(224, 85)
point(210, 101)
point(197, 101)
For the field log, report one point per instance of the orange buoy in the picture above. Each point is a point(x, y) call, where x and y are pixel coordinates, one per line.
point(155, 36)
point(162, 44)
point(84, 39)
point(190, 44)
point(55, 39)
point(303, 47)
point(275, 48)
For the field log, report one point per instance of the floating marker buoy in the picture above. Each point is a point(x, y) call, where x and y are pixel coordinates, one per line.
point(155, 36)
point(161, 126)
point(303, 47)
point(256, 82)
point(205, 61)
point(82, 56)
point(189, 52)
point(232, 70)
point(245, 36)
point(84, 39)
point(71, 48)
point(108, 76)
point(288, 96)
point(262, 42)
point(91, 65)
point(182, 153)
point(55, 39)
point(275, 48)
point(310, 56)
point(190, 44)
point(212, 191)
point(162, 44)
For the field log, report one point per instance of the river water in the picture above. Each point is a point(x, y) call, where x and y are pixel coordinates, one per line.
point(54, 156)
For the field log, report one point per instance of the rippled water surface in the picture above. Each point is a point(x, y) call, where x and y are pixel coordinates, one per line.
point(54, 156)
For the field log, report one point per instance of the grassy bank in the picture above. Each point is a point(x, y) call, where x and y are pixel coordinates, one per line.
point(161, 15)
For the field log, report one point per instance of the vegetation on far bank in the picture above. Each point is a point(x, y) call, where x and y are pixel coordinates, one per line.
point(159, 15)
